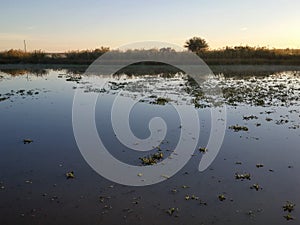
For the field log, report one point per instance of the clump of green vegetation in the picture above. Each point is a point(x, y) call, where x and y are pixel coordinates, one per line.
point(74, 78)
point(251, 117)
point(161, 101)
point(260, 102)
point(152, 159)
point(3, 99)
point(139, 174)
point(70, 175)
point(243, 176)
point(203, 149)
point(288, 206)
point(237, 128)
point(289, 217)
point(172, 210)
point(259, 165)
point(222, 197)
point(282, 121)
point(191, 197)
point(256, 187)
point(117, 85)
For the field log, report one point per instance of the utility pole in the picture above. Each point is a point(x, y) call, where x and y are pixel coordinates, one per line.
point(25, 46)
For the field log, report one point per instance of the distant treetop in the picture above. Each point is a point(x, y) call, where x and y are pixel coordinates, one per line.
point(196, 44)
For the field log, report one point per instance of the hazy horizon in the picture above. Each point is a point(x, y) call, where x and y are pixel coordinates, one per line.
point(71, 25)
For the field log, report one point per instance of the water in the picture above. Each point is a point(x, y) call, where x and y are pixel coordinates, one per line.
point(34, 188)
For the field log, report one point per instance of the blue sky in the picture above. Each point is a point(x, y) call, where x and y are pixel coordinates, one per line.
point(73, 24)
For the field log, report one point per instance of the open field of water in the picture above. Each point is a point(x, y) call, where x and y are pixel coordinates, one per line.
point(254, 179)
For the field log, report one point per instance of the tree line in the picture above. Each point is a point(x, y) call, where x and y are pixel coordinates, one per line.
point(226, 55)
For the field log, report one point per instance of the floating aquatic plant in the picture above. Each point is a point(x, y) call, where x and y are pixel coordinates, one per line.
point(152, 159)
point(203, 149)
point(27, 141)
point(288, 206)
point(243, 176)
point(256, 187)
point(172, 210)
point(237, 128)
point(70, 175)
point(289, 217)
point(222, 197)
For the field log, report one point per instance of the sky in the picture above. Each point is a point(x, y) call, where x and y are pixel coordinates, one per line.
point(57, 26)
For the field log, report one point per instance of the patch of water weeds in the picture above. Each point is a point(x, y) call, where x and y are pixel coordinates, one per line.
point(256, 187)
point(242, 176)
point(3, 98)
point(22, 93)
point(173, 211)
point(27, 141)
point(73, 78)
point(251, 117)
point(222, 197)
point(70, 175)
point(289, 206)
point(152, 159)
point(161, 101)
point(278, 89)
point(203, 149)
point(237, 128)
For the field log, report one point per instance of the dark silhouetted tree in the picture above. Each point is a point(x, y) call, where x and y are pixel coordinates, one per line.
point(196, 44)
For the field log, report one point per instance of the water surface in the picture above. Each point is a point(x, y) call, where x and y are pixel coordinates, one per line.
point(38, 106)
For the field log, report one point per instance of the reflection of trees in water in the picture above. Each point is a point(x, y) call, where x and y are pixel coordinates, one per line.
point(151, 68)
point(248, 71)
point(42, 71)
point(20, 72)
point(142, 68)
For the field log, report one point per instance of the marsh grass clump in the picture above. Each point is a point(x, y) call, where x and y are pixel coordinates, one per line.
point(222, 197)
point(161, 101)
point(74, 78)
point(237, 128)
point(3, 99)
point(70, 175)
point(203, 149)
point(259, 102)
point(251, 117)
point(117, 85)
point(256, 187)
point(191, 197)
point(243, 176)
point(172, 210)
point(288, 206)
point(259, 165)
point(27, 141)
point(152, 159)
point(289, 217)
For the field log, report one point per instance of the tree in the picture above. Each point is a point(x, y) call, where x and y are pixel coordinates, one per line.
point(196, 44)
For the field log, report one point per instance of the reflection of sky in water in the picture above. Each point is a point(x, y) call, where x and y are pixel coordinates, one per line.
point(46, 118)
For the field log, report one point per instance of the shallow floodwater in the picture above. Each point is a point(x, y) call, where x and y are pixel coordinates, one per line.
point(33, 184)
